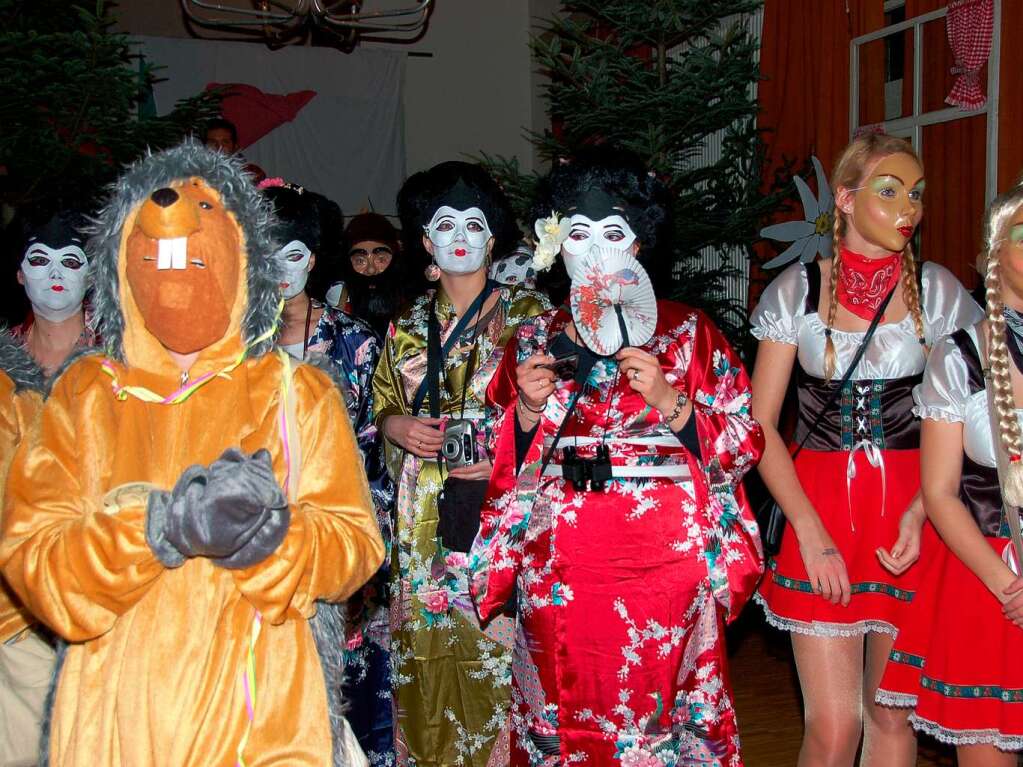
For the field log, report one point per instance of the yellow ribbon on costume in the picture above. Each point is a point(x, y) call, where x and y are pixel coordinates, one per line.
point(179, 396)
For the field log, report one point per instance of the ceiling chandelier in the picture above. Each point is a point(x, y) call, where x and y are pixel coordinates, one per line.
point(280, 22)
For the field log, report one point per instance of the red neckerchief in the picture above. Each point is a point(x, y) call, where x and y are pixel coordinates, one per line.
point(864, 282)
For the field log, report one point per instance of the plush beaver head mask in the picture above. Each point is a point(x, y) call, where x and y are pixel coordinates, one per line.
point(182, 262)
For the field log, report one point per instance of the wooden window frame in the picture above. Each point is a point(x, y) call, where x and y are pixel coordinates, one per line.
point(912, 127)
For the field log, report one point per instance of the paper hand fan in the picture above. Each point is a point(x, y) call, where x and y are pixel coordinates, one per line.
point(612, 300)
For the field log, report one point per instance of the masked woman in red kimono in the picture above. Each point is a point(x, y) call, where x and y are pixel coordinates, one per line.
point(615, 518)
point(846, 570)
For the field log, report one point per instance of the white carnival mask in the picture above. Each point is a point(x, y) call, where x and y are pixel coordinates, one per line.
point(609, 233)
point(55, 280)
point(459, 239)
point(294, 261)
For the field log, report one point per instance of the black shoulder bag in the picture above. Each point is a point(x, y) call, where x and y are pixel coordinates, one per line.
point(770, 516)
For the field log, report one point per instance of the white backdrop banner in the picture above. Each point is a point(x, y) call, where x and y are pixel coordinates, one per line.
point(346, 143)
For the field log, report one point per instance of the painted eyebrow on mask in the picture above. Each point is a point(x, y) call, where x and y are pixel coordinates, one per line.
point(47, 252)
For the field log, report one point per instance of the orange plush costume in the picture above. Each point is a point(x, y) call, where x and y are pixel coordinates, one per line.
point(26, 658)
point(191, 635)
point(21, 385)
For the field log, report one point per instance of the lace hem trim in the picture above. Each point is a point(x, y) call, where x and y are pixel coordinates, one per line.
point(895, 699)
point(991, 737)
point(823, 628)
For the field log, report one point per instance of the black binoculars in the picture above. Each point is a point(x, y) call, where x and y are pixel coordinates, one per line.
point(587, 473)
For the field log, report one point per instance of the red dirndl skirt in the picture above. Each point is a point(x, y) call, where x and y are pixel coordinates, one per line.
point(957, 659)
point(859, 522)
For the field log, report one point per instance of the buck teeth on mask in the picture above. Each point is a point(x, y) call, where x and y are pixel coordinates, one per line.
point(172, 253)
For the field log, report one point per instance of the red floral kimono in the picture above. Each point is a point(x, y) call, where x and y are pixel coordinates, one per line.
point(622, 594)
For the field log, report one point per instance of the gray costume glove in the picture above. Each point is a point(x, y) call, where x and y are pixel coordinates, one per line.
point(233, 512)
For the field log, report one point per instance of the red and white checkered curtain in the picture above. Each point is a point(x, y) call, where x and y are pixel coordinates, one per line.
point(969, 24)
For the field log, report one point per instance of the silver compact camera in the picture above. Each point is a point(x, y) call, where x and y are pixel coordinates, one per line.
point(459, 446)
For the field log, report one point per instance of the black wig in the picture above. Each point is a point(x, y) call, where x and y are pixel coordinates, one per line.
point(314, 220)
point(459, 185)
point(601, 181)
point(55, 227)
point(298, 216)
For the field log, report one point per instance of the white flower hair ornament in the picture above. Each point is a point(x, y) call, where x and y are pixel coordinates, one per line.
point(550, 233)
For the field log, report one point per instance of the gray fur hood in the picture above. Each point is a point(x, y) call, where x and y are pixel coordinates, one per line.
point(254, 214)
point(19, 366)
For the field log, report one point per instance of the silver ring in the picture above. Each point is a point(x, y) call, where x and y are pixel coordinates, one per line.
point(420, 443)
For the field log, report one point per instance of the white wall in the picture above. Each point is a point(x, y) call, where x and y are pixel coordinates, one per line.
point(477, 91)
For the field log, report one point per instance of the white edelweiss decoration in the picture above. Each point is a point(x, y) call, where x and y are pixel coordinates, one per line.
point(550, 233)
point(814, 233)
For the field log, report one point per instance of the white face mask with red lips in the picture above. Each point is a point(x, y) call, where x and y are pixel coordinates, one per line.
point(294, 262)
point(55, 280)
point(459, 239)
point(610, 233)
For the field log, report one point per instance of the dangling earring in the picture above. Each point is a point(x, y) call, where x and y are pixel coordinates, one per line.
point(432, 272)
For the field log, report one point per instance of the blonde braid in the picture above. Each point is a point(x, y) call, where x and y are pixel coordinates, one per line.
point(830, 355)
point(911, 295)
point(998, 350)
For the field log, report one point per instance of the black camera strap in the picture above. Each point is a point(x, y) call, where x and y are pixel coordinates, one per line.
point(582, 373)
point(436, 353)
point(560, 432)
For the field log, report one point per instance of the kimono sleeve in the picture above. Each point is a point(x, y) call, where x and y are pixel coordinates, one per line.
point(502, 392)
point(730, 438)
point(365, 360)
point(497, 551)
point(388, 392)
point(731, 443)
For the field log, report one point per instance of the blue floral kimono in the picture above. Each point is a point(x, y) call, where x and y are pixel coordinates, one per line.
point(350, 344)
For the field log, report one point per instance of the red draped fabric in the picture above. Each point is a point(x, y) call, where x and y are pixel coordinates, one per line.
point(804, 98)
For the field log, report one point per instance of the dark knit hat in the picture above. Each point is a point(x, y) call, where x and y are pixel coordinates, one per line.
point(370, 227)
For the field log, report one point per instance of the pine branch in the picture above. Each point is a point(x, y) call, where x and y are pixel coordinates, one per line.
point(664, 79)
point(70, 90)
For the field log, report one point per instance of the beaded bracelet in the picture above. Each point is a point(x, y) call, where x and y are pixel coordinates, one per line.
point(680, 403)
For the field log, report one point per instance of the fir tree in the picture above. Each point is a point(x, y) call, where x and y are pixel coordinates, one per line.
point(660, 78)
point(72, 93)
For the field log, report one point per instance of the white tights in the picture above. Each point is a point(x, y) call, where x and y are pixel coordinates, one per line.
point(839, 677)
